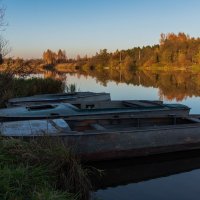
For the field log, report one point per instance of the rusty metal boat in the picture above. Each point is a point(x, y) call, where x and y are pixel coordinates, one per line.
point(106, 139)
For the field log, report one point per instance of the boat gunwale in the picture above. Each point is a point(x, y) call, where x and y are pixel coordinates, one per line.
point(54, 97)
point(62, 134)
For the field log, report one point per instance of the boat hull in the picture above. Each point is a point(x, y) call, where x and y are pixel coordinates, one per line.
point(135, 142)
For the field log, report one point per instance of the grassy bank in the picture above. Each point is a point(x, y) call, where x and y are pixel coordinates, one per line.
point(39, 170)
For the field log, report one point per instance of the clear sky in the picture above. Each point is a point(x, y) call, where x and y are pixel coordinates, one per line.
point(86, 26)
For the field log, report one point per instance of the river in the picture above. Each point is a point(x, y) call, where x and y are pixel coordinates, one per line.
point(172, 176)
point(126, 91)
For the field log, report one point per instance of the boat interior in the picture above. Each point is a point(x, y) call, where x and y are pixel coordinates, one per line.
point(118, 104)
point(64, 127)
point(127, 124)
point(140, 104)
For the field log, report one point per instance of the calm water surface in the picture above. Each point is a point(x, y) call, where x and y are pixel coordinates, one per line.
point(169, 177)
point(176, 181)
point(125, 91)
point(159, 178)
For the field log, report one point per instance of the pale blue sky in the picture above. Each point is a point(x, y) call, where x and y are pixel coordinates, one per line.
point(86, 26)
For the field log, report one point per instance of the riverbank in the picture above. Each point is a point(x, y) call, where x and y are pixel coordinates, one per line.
point(38, 170)
point(75, 67)
point(41, 170)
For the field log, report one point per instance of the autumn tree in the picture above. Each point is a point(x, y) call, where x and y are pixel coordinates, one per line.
point(197, 58)
point(49, 57)
point(102, 57)
point(61, 56)
point(52, 58)
point(128, 62)
point(173, 50)
point(78, 57)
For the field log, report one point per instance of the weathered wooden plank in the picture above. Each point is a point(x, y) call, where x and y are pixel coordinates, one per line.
point(193, 119)
point(98, 127)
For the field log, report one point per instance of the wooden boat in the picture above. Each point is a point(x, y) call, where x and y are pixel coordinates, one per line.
point(59, 97)
point(105, 139)
point(94, 109)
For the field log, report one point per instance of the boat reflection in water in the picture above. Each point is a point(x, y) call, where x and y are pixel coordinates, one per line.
point(125, 173)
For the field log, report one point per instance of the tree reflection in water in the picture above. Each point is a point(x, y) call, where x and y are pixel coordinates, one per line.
point(173, 85)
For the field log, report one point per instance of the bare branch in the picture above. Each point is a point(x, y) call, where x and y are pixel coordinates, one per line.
point(4, 46)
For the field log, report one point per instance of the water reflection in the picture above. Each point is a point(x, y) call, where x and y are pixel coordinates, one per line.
point(121, 175)
point(172, 85)
point(175, 86)
point(123, 172)
point(55, 75)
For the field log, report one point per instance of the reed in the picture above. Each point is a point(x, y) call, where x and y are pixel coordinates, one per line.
point(32, 86)
point(11, 87)
point(71, 88)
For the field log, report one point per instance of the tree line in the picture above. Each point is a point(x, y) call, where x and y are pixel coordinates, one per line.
point(51, 57)
point(173, 50)
point(178, 50)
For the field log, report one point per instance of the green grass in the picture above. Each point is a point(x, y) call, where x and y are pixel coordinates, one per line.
point(40, 170)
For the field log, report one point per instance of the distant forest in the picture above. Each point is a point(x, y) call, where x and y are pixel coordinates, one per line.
point(173, 50)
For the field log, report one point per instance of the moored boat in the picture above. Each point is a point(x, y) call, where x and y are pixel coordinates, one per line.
point(59, 97)
point(94, 109)
point(103, 139)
